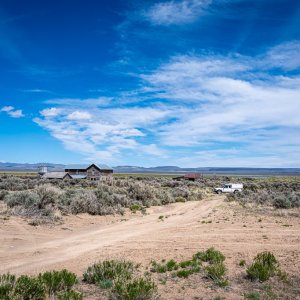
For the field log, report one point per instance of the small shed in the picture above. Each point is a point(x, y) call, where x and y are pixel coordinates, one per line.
point(57, 175)
point(192, 176)
point(189, 176)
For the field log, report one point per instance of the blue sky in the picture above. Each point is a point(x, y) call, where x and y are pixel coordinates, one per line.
point(185, 82)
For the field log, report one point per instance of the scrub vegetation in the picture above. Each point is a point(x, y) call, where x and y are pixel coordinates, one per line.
point(48, 201)
point(124, 280)
point(281, 192)
point(48, 285)
point(258, 277)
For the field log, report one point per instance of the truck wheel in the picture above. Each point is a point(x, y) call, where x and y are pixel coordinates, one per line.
point(219, 192)
point(235, 192)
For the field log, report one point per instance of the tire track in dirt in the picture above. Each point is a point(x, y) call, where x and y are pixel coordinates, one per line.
point(85, 245)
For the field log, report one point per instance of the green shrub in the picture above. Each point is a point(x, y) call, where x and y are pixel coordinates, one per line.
point(29, 288)
point(3, 193)
point(159, 268)
point(190, 269)
point(106, 284)
point(186, 263)
point(171, 265)
point(264, 266)
point(70, 295)
point(180, 199)
point(56, 281)
point(282, 202)
point(184, 273)
point(12, 183)
point(210, 255)
point(7, 282)
point(253, 295)
point(84, 201)
point(48, 194)
point(216, 272)
point(135, 207)
point(135, 289)
point(24, 198)
point(242, 263)
point(108, 270)
point(44, 286)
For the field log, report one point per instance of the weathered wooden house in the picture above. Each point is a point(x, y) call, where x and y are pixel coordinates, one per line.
point(91, 172)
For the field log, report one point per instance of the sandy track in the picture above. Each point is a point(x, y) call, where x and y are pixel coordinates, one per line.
point(187, 228)
point(25, 249)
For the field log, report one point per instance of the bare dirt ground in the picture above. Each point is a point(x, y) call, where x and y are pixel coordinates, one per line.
point(185, 229)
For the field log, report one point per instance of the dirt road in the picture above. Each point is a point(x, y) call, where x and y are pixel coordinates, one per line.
point(172, 231)
point(185, 228)
point(27, 249)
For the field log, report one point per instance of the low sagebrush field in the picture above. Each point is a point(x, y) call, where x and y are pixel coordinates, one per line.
point(150, 238)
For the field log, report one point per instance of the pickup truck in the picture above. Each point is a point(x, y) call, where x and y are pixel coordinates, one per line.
point(229, 188)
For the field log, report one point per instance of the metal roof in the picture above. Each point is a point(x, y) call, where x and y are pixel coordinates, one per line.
point(54, 175)
point(77, 167)
point(78, 176)
point(85, 166)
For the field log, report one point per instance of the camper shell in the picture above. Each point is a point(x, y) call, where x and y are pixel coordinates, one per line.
point(229, 188)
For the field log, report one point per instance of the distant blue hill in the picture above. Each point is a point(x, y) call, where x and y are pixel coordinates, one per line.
point(15, 167)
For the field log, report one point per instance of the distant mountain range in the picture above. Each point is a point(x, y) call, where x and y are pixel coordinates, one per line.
point(14, 167)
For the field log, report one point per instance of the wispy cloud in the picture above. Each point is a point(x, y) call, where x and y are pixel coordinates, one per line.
point(220, 110)
point(12, 112)
point(102, 133)
point(38, 91)
point(175, 12)
point(232, 100)
point(79, 115)
point(285, 56)
point(50, 112)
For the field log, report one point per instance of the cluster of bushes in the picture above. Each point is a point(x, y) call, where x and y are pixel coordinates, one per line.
point(45, 200)
point(51, 201)
point(264, 266)
point(210, 261)
point(120, 278)
point(49, 285)
point(277, 194)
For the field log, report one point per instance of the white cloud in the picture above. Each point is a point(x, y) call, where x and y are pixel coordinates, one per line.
point(16, 113)
point(7, 108)
point(221, 103)
point(103, 133)
point(225, 100)
point(51, 112)
point(176, 12)
point(209, 109)
point(37, 91)
point(285, 56)
point(79, 115)
point(153, 149)
point(10, 110)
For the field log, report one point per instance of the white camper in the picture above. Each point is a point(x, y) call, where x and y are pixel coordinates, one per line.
point(229, 188)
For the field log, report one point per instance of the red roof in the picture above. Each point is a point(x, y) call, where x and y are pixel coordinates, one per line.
point(192, 175)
